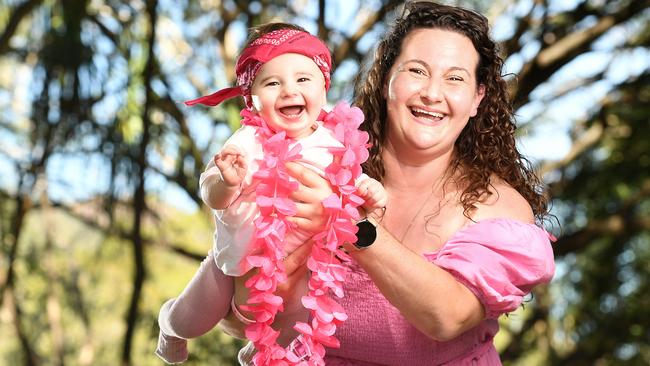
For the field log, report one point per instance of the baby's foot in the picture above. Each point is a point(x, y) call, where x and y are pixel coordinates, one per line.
point(171, 349)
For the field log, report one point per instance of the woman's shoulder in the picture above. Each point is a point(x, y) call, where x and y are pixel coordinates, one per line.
point(504, 202)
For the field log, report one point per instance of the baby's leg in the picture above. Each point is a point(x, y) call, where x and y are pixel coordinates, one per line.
point(201, 305)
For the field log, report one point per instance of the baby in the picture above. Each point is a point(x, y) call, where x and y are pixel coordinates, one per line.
point(283, 75)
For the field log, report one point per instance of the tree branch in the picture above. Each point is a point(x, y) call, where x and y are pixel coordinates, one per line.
point(31, 357)
point(514, 43)
point(558, 54)
point(622, 222)
point(15, 18)
point(139, 197)
point(91, 220)
point(581, 144)
point(349, 45)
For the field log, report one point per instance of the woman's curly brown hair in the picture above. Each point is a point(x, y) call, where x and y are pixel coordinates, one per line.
point(486, 145)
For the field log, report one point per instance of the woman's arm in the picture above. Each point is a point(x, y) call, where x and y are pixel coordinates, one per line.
point(428, 296)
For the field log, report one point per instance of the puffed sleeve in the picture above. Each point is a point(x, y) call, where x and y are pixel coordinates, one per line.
point(500, 261)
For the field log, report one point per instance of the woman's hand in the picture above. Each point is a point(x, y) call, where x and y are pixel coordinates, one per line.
point(311, 192)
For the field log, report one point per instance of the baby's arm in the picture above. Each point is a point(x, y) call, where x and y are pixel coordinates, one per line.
point(219, 193)
point(373, 193)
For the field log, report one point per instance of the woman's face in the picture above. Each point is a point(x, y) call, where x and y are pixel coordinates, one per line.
point(431, 92)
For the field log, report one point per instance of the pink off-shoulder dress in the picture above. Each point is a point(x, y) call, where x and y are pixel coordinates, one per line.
point(499, 260)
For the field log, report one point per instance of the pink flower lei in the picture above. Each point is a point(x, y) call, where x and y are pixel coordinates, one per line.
point(326, 259)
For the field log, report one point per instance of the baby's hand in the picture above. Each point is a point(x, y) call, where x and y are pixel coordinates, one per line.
point(232, 164)
point(373, 193)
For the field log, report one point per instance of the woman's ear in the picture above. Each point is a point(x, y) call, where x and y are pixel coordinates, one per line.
point(480, 93)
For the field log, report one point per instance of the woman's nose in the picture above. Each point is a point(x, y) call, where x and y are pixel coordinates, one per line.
point(431, 90)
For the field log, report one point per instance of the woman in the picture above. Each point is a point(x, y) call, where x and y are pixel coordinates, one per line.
point(457, 245)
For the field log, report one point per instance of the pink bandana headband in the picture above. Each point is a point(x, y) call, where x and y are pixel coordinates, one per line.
point(264, 49)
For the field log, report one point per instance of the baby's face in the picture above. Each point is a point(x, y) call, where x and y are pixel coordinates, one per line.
point(289, 93)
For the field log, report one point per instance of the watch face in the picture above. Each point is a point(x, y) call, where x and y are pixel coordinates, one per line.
point(366, 235)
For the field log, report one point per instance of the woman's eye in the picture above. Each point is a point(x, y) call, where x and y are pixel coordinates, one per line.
point(418, 71)
point(455, 78)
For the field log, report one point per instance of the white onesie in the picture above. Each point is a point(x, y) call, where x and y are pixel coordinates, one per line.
point(234, 225)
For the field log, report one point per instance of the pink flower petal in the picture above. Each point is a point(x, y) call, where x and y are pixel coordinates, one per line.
point(303, 328)
point(332, 202)
point(285, 206)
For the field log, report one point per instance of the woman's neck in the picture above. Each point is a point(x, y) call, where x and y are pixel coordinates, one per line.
point(413, 174)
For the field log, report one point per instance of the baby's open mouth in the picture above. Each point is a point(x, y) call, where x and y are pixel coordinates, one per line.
point(292, 110)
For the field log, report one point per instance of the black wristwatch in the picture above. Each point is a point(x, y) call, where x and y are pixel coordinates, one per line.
point(366, 235)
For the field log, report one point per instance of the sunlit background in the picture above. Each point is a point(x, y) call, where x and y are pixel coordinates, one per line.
point(100, 219)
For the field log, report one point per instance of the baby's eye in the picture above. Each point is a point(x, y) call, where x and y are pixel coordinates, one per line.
point(302, 80)
point(272, 83)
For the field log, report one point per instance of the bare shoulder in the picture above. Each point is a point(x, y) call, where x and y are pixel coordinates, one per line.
point(505, 202)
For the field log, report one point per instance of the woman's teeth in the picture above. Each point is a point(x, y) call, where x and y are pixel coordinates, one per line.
point(426, 114)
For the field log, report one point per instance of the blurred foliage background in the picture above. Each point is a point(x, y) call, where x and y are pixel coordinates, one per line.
point(100, 219)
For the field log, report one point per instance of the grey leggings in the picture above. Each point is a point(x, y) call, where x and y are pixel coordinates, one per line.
point(202, 304)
